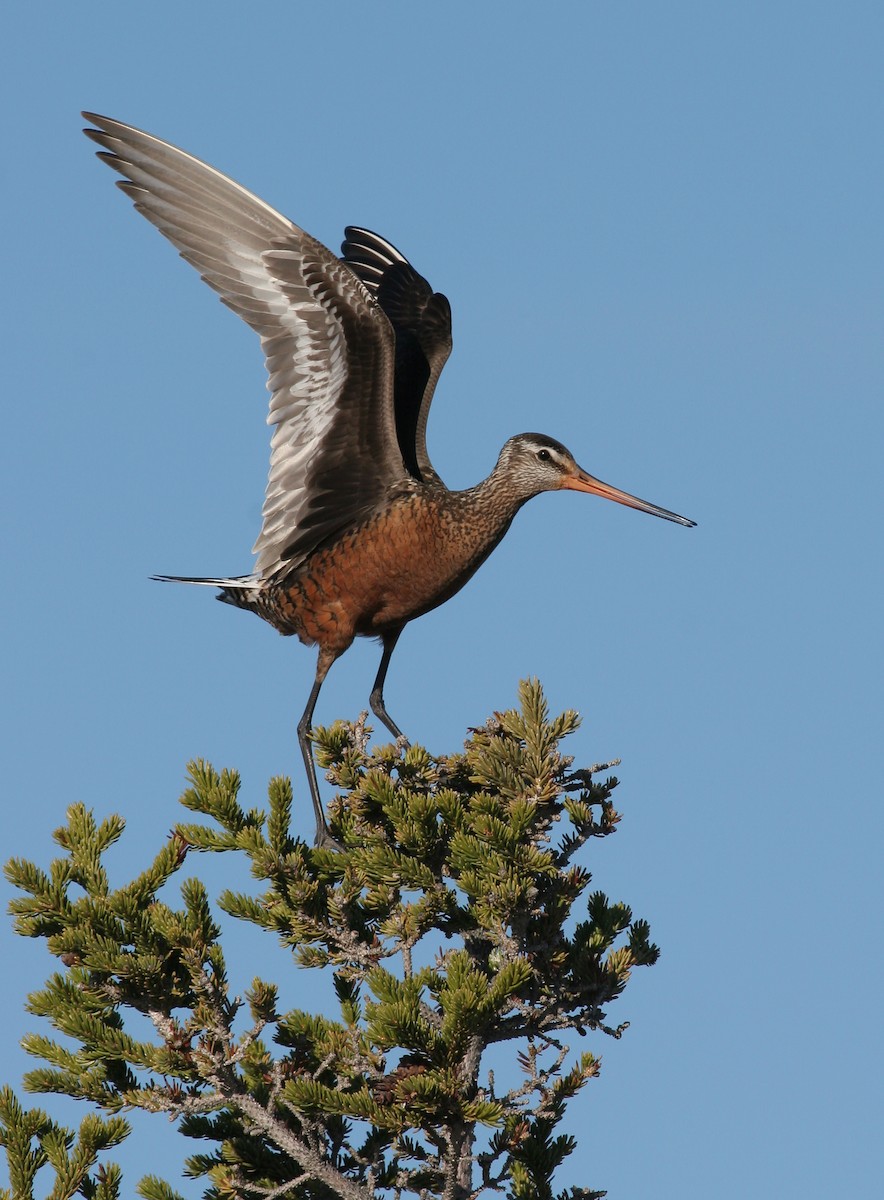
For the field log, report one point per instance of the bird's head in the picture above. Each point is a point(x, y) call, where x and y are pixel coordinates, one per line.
point(534, 463)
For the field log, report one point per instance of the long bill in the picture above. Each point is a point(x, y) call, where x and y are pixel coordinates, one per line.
point(583, 482)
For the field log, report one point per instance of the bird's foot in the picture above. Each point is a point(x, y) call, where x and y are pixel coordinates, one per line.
point(325, 841)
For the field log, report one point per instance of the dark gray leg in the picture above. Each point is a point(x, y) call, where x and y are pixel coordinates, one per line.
point(376, 700)
point(323, 837)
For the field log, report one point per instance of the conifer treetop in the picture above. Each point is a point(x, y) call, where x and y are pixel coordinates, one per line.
point(456, 921)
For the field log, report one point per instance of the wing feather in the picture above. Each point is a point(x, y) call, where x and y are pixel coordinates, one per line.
point(421, 319)
point(328, 346)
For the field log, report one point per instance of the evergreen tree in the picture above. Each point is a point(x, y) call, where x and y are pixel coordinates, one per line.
point(448, 925)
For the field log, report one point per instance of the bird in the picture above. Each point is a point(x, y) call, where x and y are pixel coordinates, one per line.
point(359, 534)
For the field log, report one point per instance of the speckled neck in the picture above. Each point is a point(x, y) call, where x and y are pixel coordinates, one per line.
point(501, 495)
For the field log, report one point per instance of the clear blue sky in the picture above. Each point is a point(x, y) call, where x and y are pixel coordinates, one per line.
point(661, 228)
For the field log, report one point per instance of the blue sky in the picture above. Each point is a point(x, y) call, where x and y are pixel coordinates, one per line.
point(660, 228)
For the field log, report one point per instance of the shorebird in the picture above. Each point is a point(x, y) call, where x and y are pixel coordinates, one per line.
point(359, 534)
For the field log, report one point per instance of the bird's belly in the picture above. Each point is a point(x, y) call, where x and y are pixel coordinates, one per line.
point(403, 563)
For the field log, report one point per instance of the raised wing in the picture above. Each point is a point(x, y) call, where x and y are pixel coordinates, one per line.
point(329, 347)
point(422, 321)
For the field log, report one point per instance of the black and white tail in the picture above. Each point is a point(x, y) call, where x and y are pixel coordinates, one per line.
point(240, 590)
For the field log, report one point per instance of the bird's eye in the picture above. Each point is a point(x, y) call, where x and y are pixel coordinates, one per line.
point(544, 455)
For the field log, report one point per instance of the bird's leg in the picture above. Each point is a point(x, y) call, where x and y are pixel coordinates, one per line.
point(376, 700)
point(323, 837)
